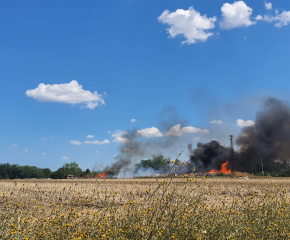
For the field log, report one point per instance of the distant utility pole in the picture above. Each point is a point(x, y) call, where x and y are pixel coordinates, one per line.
point(262, 166)
point(232, 159)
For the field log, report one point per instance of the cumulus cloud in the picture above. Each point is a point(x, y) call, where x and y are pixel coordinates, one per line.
point(188, 23)
point(268, 6)
point(121, 140)
point(15, 145)
point(149, 132)
point(120, 137)
point(72, 93)
point(75, 142)
point(216, 121)
point(236, 15)
point(90, 136)
point(25, 150)
point(97, 142)
point(259, 17)
point(109, 131)
point(43, 153)
point(280, 20)
point(64, 157)
point(178, 131)
point(195, 139)
point(133, 120)
point(243, 123)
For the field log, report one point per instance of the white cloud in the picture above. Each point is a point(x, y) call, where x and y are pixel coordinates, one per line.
point(15, 145)
point(43, 153)
point(109, 131)
point(75, 142)
point(119, 137)
point(280, 20)
point(236, 15)
point(72, 93)
point(149, 132)
point(25, 150)
point(42, 139)
point(97, 142)
point(90, 136)
point(97, 151)
point(64, 157)
point(133, 120)
point(121, 140)
point(188, 23)
point(119, 133)
point(259, 17)
point(216, 121)
point(243, 123)
point(178, 131)
point(268, 6)
point(195, 139)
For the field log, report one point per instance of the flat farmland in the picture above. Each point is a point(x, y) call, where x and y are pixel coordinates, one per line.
point(148, 208)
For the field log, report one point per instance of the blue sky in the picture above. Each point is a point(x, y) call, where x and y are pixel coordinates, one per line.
point(197, 62)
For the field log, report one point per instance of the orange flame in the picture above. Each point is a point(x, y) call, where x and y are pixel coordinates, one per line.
point(224, 169)
point(103, 175)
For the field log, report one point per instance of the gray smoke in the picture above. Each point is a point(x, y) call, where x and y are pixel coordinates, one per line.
point(138, 148)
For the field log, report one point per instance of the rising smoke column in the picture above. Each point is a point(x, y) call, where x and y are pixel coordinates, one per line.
point(136, 148)
point(268, 138)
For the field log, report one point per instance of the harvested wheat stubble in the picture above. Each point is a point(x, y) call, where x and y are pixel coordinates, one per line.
point(188, 208)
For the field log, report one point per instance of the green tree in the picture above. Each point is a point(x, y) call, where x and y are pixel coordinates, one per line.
point(72, 168)
point(158, 162)
point(58, 174)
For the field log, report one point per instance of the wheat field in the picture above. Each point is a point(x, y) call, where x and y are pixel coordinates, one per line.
point(151, 208)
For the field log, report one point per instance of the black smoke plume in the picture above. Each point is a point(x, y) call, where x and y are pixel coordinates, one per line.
point(208, 156)
point(266, 142)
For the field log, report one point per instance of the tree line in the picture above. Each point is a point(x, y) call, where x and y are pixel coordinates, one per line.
point(14, 171)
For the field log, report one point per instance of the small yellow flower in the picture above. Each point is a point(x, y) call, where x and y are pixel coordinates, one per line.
point(173, 161)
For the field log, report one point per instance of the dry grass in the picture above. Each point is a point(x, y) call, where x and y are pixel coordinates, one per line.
point(164, 208)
